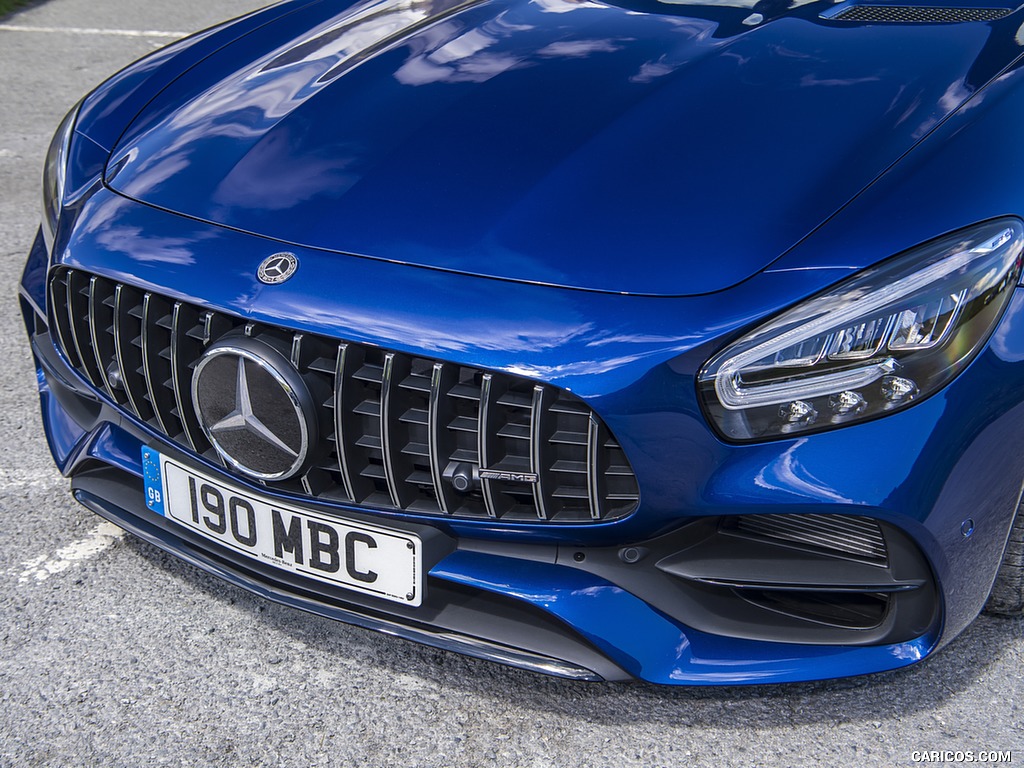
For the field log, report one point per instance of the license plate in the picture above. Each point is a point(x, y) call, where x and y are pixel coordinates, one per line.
point(364, 558)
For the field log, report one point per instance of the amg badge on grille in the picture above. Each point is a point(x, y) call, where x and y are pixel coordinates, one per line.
point(254, 407)
point(508, 477)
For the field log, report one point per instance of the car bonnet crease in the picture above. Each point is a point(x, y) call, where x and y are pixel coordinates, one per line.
point(667, 149)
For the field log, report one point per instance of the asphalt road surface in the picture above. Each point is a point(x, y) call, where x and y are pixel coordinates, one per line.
point(114, 654)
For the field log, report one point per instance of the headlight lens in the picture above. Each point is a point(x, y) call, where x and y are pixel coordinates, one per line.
point(54, 175)
point(874, 344)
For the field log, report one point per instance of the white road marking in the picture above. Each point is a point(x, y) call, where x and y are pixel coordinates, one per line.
point(92, 31)
point(102, 537)
point(28, 478)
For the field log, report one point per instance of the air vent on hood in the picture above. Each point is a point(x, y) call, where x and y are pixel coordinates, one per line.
point(916, 14)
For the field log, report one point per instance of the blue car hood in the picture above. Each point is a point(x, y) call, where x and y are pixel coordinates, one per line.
point(662, 148)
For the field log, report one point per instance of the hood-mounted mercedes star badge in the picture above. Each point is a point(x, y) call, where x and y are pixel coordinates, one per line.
point(277, 268)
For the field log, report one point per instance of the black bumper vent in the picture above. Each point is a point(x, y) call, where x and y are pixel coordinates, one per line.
point(399, 431)
point(917, 14)
point(837, 535)
point(805, 578)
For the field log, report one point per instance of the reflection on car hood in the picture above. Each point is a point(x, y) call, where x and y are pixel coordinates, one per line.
point(660, 148)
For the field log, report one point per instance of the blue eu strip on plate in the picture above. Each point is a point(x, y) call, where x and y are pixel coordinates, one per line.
point(154, 482)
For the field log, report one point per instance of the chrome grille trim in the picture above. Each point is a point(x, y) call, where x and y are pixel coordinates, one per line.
point(180, 375)
point(94, 322)
point(483, 436)
point(438, 381)
point(593, 474)
point(386, 426)
point(60, 322)
point(341, 373)
point(394, 426)
point(148, 362)
point(537, 442)
point(121, 341)
point(74, 313)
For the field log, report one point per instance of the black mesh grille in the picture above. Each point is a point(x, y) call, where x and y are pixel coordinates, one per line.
point(841, 535)
point(397, 428)
point(909, 14)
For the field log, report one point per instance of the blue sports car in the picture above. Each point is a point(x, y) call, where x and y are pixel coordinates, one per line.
point(673, 340)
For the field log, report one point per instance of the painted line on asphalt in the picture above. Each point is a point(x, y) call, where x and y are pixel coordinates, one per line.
point(92, 31)
point(98, 540)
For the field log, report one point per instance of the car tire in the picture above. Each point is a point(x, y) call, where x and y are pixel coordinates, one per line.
point(1007, 596)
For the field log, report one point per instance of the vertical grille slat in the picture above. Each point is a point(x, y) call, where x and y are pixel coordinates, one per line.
point(156, 328)
point(78, 321)
point(340, 434)
point(594, 473)
point(538, 443)
point(440, 443)
point(147, 359)
point(484, 442)
point(185, 349)
point(397, 466)
point(396, 431)
point(296, 353)
point(128, 359)
point(61, 320)
point(97, 334)
point(351, 425)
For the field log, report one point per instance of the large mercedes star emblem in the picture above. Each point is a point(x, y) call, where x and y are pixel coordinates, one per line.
point(254, 407)
point(277, 268)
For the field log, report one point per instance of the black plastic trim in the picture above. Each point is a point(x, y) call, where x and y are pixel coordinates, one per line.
point(707, 577)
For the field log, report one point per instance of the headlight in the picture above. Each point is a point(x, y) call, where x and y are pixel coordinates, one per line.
point(54, 175)
point(874, 344)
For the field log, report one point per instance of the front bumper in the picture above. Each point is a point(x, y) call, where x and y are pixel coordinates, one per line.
point(564, 599)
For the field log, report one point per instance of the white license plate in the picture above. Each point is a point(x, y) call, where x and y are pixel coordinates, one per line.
point(364, 558)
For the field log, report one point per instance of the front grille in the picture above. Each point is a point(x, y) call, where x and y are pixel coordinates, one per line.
point(920, 14)
point(396, 427)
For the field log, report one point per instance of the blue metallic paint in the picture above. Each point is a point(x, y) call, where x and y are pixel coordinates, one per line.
point(115, 102)
point(560, 184)
point(558, 214)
